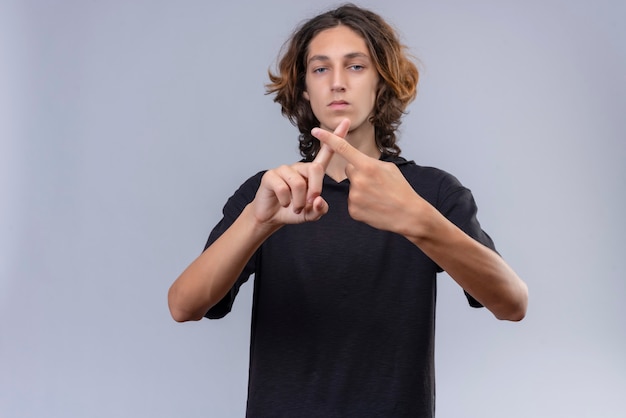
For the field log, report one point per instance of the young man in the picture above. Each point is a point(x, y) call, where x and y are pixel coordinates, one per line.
point(345, 245)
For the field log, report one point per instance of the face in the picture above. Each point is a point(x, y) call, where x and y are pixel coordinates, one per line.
point(341, 80)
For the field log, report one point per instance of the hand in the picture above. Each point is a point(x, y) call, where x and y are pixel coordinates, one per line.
point(379, 195)
point(292, 194)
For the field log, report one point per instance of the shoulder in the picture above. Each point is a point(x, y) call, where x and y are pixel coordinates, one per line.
point(410, 168)
point(244, 194)
point(432, 183)
point(253, 182)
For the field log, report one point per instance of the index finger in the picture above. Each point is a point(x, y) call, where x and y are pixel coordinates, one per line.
point(323, 156)
point(325, 153)
point(340, 146)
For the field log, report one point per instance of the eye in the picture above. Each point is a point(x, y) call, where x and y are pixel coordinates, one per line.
point(320, 70)
point(356, 67)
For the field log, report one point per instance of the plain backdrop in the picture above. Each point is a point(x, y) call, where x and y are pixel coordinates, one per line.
point(125, 126)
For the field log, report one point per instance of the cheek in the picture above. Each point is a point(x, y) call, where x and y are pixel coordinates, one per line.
point(373, 95)
point(315, 102)
point(376, 86)
point(315, 106)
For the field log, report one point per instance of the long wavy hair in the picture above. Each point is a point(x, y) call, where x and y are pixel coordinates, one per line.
point(396, 89)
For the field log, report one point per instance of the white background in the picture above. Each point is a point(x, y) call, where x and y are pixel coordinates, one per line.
point(125, 126)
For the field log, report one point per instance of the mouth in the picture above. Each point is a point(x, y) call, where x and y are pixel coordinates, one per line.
point(338, 104)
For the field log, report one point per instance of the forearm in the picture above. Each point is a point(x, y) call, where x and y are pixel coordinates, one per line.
point(382, 197)
point(210, 276)
point(479, 270)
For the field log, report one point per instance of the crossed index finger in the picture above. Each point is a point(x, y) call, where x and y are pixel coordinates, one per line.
point(322, 159)
point(340, 146)
point(325, 153)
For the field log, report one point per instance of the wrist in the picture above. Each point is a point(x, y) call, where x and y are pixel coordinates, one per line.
point(421, 221)
point(262, 227)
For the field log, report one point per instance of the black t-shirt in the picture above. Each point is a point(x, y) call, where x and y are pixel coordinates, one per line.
point(343, 313)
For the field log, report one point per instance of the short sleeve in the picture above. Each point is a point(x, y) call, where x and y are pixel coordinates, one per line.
point(233, 208)
point(457, 204)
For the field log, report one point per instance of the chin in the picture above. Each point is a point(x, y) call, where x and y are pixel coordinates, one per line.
point(332, 124)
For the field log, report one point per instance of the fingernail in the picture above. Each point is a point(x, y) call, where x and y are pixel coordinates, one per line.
point(314, 131)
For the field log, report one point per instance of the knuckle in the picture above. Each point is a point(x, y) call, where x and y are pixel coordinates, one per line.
point(284, 171)
point(316, 167)
point(297, 182)
point(281, 190)
point(343, 147)
point(354, 212)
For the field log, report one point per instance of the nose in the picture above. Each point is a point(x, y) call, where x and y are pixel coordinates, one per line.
point(338, 82)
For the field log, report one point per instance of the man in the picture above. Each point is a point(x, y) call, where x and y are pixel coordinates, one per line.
point(345, 245)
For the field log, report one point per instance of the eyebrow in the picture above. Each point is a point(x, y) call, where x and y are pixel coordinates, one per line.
point(350, 55)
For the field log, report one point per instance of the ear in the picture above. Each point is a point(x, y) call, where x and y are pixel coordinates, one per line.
point(305, 94)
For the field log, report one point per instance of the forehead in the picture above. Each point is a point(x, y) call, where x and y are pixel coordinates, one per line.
point(337, 41)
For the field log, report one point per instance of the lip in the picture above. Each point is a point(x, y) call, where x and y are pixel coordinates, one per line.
point(338, 104)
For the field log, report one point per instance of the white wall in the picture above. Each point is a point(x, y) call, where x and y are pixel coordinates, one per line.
point(125, 125)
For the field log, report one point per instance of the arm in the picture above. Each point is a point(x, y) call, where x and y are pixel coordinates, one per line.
point(476, 268)
point(381, 197)
point(210, 276)
point(286, 195)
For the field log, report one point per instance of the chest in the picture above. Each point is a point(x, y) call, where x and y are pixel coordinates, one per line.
point(338, 257)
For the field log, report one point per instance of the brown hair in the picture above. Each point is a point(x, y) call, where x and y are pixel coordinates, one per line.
point(398, 76)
